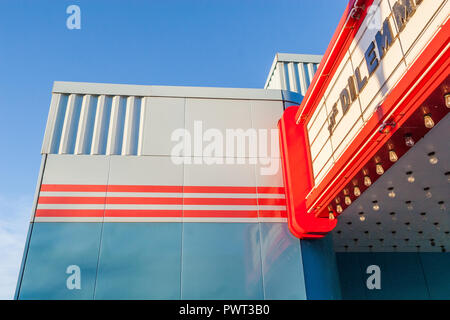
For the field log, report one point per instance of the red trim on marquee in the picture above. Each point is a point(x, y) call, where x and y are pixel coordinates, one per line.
point(301, 194)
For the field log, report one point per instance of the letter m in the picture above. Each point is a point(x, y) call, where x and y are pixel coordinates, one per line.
point(384, 38)
point(403, 10)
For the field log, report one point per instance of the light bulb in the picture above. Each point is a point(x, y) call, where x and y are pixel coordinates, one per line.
point(393, 156)
point(409, 205)
point(379, 169)
point(391, 194)
point(409, 141)
point(331, 216)
point(375, 206)
point(432, 158)
point(410, 178)
point(339, 208)
point(442, 205)
point(356, 191)
point(447, 100)
point(429, 123)
point(428, 194)
point(362, 218)
point(347, 200)
point(367, 181)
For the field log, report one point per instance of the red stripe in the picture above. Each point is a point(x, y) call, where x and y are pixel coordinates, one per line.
point(274, 190)
point(217, 189)
point(142, 200)
point(273, 214)
point(71, 200)
point(73, 188)
point(68, 213)
point(220, 201)
point(144, 213)
point(272, 202)
point(129, 188)
point(220, 214)
point(161, 213)
point(155, 188)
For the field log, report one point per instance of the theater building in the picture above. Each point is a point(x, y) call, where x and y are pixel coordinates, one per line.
point(332, 182)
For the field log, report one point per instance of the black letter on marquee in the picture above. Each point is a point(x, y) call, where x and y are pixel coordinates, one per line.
point(371, 58)
point(345, 101)
point(332, 118)
point(361, 83)
point(352, 88)
point(403, 10)
point(384, 38)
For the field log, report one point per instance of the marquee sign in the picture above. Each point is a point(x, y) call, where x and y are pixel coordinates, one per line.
point(382, 55)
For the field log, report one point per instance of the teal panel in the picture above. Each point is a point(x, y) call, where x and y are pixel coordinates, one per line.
point(53, 248)
point(282, 263)
point(436, 267)
point(320, 269)
point(352, 276)
point(140, 261)
point(221, 261)
point(402, 275)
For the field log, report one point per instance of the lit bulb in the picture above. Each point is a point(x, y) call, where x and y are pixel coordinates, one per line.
point(331, 215)
point(356, 191)
point(429, 123)
point(391, 194)
point(409, 141)
point(347, 200)
point(411, 179)
point(367, 181)
point(393, 156)
point(432, 158)
point(339, 208)
point(376, 206)
point(447, 100)
point(409, 205)
point(379, 169)
point(362, 218)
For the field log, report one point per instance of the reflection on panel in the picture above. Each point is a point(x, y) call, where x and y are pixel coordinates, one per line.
point(61, 261)
point(221, 261)
point(140, 261)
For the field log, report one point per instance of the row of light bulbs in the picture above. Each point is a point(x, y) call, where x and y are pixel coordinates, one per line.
point(393, 157)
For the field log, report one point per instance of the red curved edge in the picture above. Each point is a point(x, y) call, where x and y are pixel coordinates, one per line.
point(298, 179)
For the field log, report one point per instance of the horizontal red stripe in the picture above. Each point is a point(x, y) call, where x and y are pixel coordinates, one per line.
point(71, 200)
point(271, 202)
point(144, 213)
point(129, 188)
point(156, 188)
point(220, 201)
point(143, 200)
point(217, 189)
point(73, 188)
point(161, 213)
point(273, 214)
point(277, 190)
point(68, 213)
point(220, 213)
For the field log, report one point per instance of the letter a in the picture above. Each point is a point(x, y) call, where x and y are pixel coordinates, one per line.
point(74, 20)
point(374, 281)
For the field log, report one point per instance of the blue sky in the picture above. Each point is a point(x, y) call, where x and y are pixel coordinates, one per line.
point(225, 43)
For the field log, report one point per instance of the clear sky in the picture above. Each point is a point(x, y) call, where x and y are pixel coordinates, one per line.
point(225, 43)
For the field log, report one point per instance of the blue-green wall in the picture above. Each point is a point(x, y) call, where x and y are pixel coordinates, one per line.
point(403, 275)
